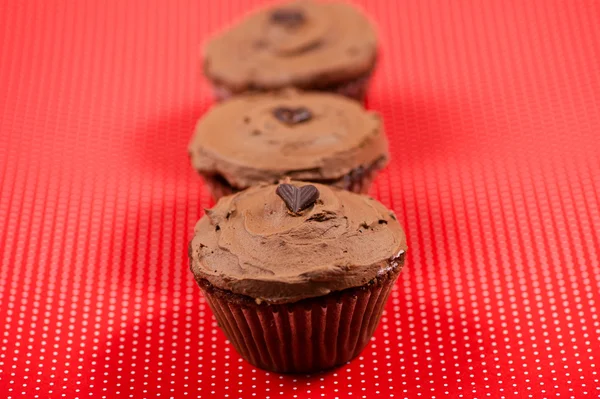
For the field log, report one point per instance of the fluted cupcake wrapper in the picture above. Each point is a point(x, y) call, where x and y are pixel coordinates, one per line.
point(308, 336)
point(355, 89)
point(218, 186)
point(358, 181)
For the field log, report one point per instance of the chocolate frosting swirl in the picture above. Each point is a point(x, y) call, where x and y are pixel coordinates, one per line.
point(301, 44)
point(246, 141)
point(250, 244)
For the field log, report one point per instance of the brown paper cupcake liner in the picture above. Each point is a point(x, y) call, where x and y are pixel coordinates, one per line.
point(358, 181)
point(218, 186)
point(310, 335)
point(355, 89)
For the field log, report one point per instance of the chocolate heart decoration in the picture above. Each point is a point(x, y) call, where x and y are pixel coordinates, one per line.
point(297, 198)
point(288, 17)
point(292, 116)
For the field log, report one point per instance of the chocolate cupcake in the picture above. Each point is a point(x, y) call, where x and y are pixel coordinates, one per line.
point(297, 275)
point(312, 46)
point(314, 136)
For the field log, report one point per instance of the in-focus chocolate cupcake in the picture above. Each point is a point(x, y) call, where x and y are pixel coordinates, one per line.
point(297, 275)
point(314, 136)
point(308, 45)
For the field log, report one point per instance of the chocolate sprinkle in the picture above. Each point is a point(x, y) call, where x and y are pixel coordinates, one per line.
point(292, 116)
point(288, 17)
point(297, 198)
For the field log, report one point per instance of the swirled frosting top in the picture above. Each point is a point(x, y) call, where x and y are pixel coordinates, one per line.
point(251, 243)
point(301, 44)
point(306, 136)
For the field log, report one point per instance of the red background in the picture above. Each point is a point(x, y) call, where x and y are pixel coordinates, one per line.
point(492, 110)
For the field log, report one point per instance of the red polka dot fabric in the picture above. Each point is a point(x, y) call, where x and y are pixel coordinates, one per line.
point(492, 111)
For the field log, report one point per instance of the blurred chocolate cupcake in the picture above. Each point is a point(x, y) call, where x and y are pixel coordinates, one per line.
point(312, 46)
point(297, 275)
point(315, 136)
